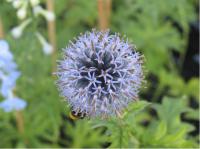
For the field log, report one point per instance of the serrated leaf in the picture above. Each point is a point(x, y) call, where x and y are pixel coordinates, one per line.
point(135, 107)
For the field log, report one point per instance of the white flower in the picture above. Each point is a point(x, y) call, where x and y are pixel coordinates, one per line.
point(38, 10)
point(17, 31)
point(17, 3)
point(34, 2)
point(50, 16)
point(47, 48)
point(21, 13)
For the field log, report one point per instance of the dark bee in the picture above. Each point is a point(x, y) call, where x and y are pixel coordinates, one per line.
point(74, 115)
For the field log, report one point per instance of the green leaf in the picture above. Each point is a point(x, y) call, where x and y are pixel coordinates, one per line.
point(192, 88)
point(83, 135)
point(193, 114)
point(161, 130)
point(135, 108)
point(168, 130)
point(171, 109)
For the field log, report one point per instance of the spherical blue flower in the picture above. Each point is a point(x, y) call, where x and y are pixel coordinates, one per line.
point(100, 74)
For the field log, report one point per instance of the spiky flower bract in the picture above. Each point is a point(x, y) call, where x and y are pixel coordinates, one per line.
point(100, 74)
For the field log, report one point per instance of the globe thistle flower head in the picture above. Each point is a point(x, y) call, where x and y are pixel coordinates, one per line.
point(100, 74)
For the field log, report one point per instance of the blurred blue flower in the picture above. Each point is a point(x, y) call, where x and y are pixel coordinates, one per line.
point(6, 58)
point(4, 50)
point(11, 104)
point(8, 77)
point(9, 82)
point(7, 66)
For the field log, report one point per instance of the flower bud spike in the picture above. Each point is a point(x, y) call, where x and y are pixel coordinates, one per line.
point(22, 11)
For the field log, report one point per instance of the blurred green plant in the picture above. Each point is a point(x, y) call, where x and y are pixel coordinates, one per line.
point(167, 130)
point(158, 28)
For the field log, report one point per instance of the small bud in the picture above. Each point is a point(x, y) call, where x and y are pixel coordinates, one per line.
point(34, 2)
point(49, 16)
point(47, 48)
point(17, 3)
point(21, 13)
point(22, 8)
point(17, 31)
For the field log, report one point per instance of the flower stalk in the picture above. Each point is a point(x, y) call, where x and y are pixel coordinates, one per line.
point(51, 34)
point(19, 121)
point(104, 11)
point(1, 29)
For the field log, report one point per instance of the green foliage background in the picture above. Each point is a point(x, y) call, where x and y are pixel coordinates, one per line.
point(150, 122)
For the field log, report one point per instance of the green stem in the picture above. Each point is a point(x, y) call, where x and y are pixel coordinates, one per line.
point(120, 125)
point(1, 28)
